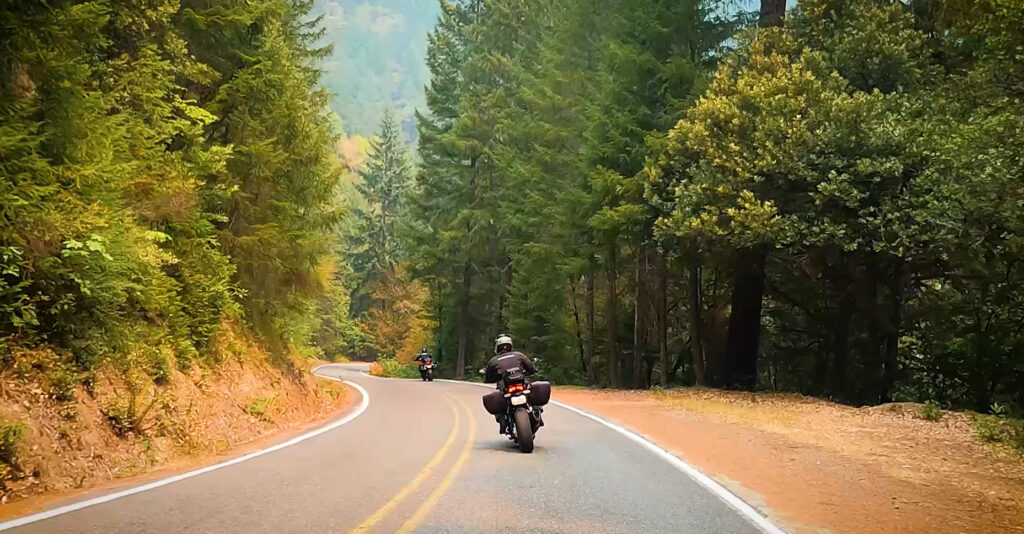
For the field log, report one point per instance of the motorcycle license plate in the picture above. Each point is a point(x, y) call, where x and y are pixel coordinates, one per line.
point(516, 401)
point(428, 366)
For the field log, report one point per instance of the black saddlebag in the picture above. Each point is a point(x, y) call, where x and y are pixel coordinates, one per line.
point(494, 402)
point(540, 393)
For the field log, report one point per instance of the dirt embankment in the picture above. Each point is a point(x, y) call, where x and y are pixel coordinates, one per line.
point(120, 426)
point(816, 466)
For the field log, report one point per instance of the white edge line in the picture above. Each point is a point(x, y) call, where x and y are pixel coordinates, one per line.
point(730, 498)
point(61, 510)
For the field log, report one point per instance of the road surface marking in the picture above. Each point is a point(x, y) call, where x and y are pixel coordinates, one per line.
point(432, 500)
point(416, 481)
point(736, 503)
point(61, 510)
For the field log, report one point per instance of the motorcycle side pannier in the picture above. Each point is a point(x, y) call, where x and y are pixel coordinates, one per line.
point(494, 402)
point(540, 393)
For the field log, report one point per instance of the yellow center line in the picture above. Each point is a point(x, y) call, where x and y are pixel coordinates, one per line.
point(416, 481)
point(435, 496)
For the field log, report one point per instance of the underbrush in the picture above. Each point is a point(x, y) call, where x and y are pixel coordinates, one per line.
point(392, 368)
point(10, 435)
point(1000, 430)
point(259, 407)
point(930, 411)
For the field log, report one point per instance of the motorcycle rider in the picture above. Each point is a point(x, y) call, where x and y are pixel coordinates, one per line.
point(422, 356)
point(422, 359)
point(505, 359)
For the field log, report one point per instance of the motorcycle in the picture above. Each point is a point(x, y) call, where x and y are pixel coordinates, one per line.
point(427, 370)
point(520, 402)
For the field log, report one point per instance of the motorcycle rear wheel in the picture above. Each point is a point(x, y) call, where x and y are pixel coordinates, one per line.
point(524, 430)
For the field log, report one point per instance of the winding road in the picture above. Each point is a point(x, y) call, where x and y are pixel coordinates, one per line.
point(424, 457)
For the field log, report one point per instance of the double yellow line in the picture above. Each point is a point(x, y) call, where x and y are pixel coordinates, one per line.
point(435, 496)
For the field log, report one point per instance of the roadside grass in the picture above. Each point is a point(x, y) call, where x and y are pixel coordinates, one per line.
point(392, 368)
point(737, 406)
point(787, 410)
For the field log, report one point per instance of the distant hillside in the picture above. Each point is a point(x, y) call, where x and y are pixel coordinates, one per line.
point(378, 60)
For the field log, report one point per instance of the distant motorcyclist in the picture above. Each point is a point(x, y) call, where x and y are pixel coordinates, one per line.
point(426, 364)
point(423, 356)
point(505, 360)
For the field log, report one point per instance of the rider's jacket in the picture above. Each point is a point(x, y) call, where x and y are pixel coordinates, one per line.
point(505, 362)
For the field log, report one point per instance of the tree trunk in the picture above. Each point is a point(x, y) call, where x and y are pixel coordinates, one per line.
point(696, 326)
point(744, 336)
point(460, 364)
point(584, 361)
point(716, 333)
point(640, 319)
point(613, 319)
point(662, 313)
point(773, 13)
point(589, 345)
point(839, 336)
point(871, 389)
point(892, 343)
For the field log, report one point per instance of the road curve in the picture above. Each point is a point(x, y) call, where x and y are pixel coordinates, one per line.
point(426, 457)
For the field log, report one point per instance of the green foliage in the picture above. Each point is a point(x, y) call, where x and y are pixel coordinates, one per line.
point(165, 169)
point(849, 146)
point(258, 407)
point(10, 434)
point(930, 411)
point(999, 430)
point(539, 114)
point(595, 175)
point(375, 250)
point(392, 368)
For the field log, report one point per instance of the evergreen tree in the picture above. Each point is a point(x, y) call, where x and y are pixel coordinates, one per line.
point(386, 180)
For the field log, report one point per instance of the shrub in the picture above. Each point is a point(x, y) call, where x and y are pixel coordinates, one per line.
point(930, 411)
point(988, 428)
point(10, 434)
point(392, 368)
point(63, 382)
point(129, 413)
point(995, 429)
point(258, 407)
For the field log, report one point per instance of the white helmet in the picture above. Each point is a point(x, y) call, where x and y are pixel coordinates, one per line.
point(503, 339)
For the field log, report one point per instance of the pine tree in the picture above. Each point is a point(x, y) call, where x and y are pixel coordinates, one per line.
point(386, 180)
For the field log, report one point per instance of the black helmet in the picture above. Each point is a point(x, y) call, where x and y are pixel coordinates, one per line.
point(423, 350)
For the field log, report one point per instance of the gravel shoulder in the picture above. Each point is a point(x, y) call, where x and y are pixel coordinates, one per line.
point(812, 465)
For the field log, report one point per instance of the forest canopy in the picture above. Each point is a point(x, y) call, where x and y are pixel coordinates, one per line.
point(823, 198)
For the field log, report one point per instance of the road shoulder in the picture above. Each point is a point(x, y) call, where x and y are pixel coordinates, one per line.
point(342, 401)
point(811, 465)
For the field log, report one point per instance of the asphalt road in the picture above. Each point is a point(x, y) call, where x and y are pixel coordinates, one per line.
point(426, 457)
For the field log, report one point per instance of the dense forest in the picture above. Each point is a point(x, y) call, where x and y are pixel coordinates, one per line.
point(167, 171)
point(826, 198)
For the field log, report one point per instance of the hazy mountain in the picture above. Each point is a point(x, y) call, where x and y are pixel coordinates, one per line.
point(378, 59)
